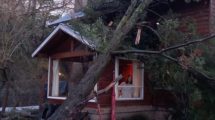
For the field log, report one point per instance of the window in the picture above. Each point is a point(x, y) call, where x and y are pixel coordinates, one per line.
point(130, 87)
point(60, 72)
point(60, 75)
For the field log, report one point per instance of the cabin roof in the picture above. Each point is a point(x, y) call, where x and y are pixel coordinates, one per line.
point(66, 18)
point(68, 30)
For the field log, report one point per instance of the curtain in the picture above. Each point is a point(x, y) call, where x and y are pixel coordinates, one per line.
point(55, 82)
point(137, 79)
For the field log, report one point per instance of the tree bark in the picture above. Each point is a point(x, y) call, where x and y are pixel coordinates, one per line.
point(5, 97)
point(89, 80)
point(5, 92)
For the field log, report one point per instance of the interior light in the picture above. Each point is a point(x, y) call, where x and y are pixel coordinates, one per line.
point(157, 23)
point(59, 74)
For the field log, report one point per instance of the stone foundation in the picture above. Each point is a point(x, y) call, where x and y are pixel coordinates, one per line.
point(123, 113)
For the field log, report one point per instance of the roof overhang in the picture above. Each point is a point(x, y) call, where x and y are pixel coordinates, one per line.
point(66, 18)
point(66, 29)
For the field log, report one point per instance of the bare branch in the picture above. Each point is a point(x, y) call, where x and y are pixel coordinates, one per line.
point(109, 86)
point(166, 49)
point(198, 75)
point(188, 43)
point(136, 51)
point(157, 14)
point(103, 90)
point(170, 58)
point(153, 30)
point(127, 14)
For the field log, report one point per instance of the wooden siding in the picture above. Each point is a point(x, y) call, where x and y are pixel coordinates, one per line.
point(199, 13)
point(151, 97)
point(212, 16)
point(105, 79)
point(71, 54)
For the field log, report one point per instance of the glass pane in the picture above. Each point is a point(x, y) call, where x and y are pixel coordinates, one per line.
point(125, 91)
point(65, 74)
point(128, 92)
point(131, 85)
point(62, 74)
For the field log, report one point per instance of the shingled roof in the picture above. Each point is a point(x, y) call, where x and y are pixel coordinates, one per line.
point(68, 30)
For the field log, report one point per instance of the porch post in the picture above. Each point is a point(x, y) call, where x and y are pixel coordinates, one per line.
point(113, 105)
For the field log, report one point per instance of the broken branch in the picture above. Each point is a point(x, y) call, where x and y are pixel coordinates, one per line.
point(103, 90)
point(109, 86)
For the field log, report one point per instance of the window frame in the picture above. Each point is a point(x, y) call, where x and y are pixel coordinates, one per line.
point(116, 74)
point(48, 85)
point(49, 80)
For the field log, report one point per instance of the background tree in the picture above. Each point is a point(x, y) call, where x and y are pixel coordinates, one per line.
point(21, 28)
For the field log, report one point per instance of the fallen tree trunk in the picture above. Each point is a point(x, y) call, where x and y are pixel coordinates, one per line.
point(87, 83)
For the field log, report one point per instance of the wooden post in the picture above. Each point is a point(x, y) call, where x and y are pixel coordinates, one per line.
point(113, 102)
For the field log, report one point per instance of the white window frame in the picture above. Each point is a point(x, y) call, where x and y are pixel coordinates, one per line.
point(58, 97)
point(48, 91)
point(117, 84)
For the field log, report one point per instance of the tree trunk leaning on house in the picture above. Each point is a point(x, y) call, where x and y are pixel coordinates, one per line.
point(89, 80)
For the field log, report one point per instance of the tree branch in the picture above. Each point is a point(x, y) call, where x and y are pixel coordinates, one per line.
point(189, 43)
point(202, 78)
point(127, 14)
point(199, 76)
point(102, 90)
point(170, 58)
point(166, 49)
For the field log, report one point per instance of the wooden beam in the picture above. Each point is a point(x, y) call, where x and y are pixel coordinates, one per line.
point(71, 54)
point(72, 45)
point(42, 55)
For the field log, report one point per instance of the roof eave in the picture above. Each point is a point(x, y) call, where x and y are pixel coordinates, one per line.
point(67, 30)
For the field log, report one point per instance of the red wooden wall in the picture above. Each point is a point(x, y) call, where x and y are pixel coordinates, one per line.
point(203, 14)
point(212, 16)
point(158, 97)
point(199, 13)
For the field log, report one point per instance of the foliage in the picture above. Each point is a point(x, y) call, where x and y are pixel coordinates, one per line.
point(194, 101)
point(97, 32)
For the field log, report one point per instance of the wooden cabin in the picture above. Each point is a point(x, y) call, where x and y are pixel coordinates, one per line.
point(68, 52)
